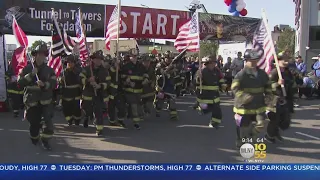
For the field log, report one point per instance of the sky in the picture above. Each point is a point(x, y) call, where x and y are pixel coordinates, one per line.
point(278, 11)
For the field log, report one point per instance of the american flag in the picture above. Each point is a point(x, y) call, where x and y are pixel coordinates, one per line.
point(112, 27)
point(297, 12)
point(188, 36)
point(82, 39)
point(261, 38)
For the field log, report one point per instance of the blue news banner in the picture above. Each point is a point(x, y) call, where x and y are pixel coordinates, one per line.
point(160, 171)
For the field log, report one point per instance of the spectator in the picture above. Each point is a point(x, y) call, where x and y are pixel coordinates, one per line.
point(237, 64)
point(301, 66)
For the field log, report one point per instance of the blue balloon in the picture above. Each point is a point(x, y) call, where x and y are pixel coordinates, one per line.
point(236, 13)
point(232, 7)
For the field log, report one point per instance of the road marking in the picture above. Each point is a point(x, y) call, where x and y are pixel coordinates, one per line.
point(307, 135)
point(199, 126)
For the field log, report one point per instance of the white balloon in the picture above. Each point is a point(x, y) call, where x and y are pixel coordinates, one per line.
point(239, 2)
point(244, 5)
point(239, 8)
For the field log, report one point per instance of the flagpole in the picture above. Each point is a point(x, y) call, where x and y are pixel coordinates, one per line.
point(118, 36)
point(85, 39)
point(200, 60)
point(273, 51)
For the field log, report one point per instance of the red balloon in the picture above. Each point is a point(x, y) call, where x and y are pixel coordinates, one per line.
point(244, 12)
point(228, 2)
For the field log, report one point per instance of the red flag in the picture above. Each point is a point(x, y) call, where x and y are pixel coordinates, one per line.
point(19, 60)
point(19, 34)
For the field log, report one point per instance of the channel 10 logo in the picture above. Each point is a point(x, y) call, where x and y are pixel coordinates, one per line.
point(257, 151)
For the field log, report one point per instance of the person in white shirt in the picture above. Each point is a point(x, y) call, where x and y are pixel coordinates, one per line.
point(237, 64)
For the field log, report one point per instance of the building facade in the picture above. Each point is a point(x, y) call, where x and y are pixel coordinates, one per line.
point(307, 25)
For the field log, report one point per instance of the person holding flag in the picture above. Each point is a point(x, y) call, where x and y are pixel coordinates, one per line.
point(38, 81)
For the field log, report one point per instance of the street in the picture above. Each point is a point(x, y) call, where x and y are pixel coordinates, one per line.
point(160, 140)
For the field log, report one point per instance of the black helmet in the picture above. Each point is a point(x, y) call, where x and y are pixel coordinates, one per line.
point(253, 54)
point(42, 47)
point(72, 58)
point(97, 55)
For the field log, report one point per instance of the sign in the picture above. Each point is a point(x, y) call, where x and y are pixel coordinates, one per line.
point(231, 50)
point(158, 48)
point(3, 86)
point(34, 17)
point(149, 23)
point(227, 28)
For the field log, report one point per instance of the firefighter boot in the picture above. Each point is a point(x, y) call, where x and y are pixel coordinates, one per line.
point(46, 145)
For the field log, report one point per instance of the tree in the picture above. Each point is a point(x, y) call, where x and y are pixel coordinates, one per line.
point(208, 48)
point(36, 43)
point(287, 41)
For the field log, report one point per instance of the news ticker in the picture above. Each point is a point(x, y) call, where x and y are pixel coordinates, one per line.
point(159, 167)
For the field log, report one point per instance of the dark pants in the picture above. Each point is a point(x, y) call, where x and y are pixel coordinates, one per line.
point(34, 115)
point(216, 113)
point(250, 126)
point(16, 101)
point(147, 104)
point(279, 120)
point(71, 110)
point(134, 102)
point(94, 108)
point(172, 105)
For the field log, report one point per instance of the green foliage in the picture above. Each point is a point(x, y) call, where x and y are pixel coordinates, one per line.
point(287, 41)
point(208, 48)
point(36, 43)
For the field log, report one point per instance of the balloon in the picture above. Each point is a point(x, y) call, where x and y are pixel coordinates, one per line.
point(244, 5)
point(232, 8)
point(236, 13)
point(244, 12)
point(239, 2)
point(239, 8)
point(228, 2)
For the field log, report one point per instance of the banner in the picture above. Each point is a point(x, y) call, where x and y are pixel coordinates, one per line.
point(34, 17)
point(160, 171)
point(231, 50)
point(227, 28)
point(149, 23)
point(3, 86)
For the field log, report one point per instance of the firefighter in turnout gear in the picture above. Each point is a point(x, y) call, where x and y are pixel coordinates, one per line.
point(134, 77)
point(252, 90)
point(95, 80)
point(71, 91)
point(148, 89)
point(165, 88)
point(39, 81)
point(208, 96)
point(15, 92)
point(279, 111)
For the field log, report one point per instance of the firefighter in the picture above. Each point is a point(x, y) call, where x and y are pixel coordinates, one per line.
point(165, 88)
point(280, 111)
point(208, 90)
point(71, 91)
point(252, 90)
point(15, 93)
point(95, 79)
point(39, 81)
point(134, 76)
point(148, 89)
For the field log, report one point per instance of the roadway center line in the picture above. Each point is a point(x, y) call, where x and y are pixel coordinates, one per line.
point(307, 135)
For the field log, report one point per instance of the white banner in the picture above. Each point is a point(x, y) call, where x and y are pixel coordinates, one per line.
point(231, 50)
point(3, 88)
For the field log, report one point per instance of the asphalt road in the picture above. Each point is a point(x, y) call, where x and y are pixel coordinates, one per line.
point(160, 140)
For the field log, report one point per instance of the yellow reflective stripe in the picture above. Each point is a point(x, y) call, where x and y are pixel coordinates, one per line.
point(238, 93)
point(235, 84)
point(209, 88)
point(272, 109)
point(221, 80)
point(173, 112)
point(28, 77)
point(34, 137)
point(136, 77)
point(68, 99)
point(249, 111)
point(76, 117)
point(77, 98)
point(82, 75)
point(68, 118)
point(111, 97)
point(253, 90)
point(274, 86)
point(32, 104)
point(145, 75)
point(47, 136)
point(114, 86)
point(148, 95)
point(123, 76)
point(179, 83)
point(99, 127)
point(208, 101)
point(53, 77)
point(14, 91)
point(46, 102)
point(136, 119)
point(133, 90)
point(108, 78)
point(106, 99)
point(105, 85)
point(72, 86)
point(215, 120)
point(112, 69)
point(268, 90)
point(86, 98)
point(83, 81)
